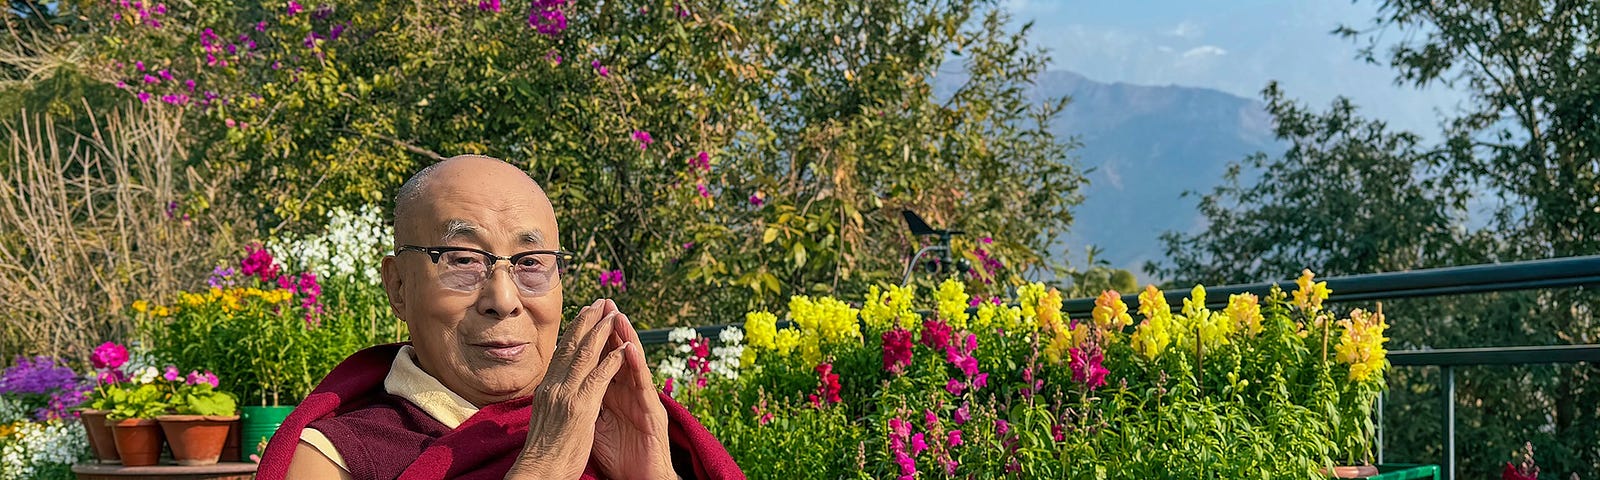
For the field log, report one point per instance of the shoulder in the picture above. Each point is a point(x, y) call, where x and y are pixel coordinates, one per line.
point(309, 462)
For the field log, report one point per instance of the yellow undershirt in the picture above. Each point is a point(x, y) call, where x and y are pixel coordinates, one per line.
point(406, 380)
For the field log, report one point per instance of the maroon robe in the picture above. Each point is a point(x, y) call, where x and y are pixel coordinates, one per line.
point(384, 436)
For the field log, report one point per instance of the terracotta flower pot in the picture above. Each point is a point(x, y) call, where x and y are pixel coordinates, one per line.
point(230, 448)
point(1354, 471)
point(195, 439)
point(100, 441)
point(138, 441)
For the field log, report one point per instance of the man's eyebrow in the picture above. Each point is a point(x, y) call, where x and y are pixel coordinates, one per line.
point(531, 237)
point(455, 229)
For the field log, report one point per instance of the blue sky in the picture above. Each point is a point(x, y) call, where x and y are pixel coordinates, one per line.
point(1233, 46)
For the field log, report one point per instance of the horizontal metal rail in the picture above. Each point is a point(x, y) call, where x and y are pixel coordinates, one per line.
point(1450, 358)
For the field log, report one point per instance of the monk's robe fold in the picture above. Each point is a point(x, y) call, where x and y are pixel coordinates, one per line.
point(383, 436)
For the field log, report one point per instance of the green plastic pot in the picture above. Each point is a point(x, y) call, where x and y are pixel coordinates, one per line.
point(258, 424)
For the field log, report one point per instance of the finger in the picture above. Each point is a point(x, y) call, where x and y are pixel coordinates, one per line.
point(591, 347)
point(601, 376)
point(561, 358)
point(636, 362)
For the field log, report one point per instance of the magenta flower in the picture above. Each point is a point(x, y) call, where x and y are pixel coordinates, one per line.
point(955, 387)
point(980, 380)
point(600, 69)
point(929, 420)
point(908, 465)
point(1058, 433)
point(667, 388)
point(963, 414)
point(827, 386)
point(1001, 427)
point(643, 138)
point(546, 17)
point(172, 374)
point(701, 161)
point(109, 355)
point(701, 187)
point(151, 79)
point(189, 84)
point(554, 57)
point(293, 8)
point(756, 200)
point(896, 350)
point(1087, 368)
point(953, 438)
point(918, 444)
point(138, 65)
point(259, 263)
point(899, 428)
point(211, 378)
point(613, 279)
point(489, 6)
point(936, 334)
point(261, 26)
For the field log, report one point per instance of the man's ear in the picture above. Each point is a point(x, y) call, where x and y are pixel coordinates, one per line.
point(392, 284)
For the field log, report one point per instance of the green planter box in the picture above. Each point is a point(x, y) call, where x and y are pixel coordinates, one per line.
point(1402, 471)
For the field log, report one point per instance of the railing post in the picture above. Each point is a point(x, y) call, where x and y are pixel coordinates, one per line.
point(1380, 425)
point(1449, 422)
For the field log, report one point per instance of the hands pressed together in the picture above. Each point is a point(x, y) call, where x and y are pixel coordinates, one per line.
point(597, 397)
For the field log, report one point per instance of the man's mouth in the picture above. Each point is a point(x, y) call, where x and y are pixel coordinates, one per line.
point(502, 350)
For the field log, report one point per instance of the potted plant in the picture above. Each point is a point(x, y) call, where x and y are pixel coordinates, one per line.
point(200, 419)
point(107, 360)
point(133, 408)
point(261, 327)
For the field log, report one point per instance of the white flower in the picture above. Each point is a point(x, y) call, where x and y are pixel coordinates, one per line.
point(147, 375)
point(34, 445)
point(682, 335)
point(351, 245)
point(731, 336)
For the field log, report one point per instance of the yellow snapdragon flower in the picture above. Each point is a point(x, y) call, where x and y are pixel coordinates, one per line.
point(1050, 311)
point(1310, 295)
point(1245, 311)
point(952, 300)
point(1361, 344)
point(760, 331)
point(1152, 335)
point(1110, 312)
point(1152, 302)
point(1028, 297)
point(986, 315)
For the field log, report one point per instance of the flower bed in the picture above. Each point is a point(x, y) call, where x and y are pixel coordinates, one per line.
point(1265, 388)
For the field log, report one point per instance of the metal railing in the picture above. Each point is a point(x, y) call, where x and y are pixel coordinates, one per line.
point(1499, 277)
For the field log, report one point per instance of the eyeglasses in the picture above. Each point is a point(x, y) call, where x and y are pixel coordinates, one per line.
point(464, 269)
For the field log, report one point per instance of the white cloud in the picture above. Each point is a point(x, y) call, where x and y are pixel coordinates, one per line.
point(1204, 51)
point(1187, 29)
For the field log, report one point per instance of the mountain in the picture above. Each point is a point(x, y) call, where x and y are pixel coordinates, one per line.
point(1145, 146)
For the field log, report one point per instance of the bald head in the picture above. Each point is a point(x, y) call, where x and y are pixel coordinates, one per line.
point(454, 175)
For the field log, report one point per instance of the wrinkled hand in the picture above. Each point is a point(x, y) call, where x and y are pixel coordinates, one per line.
point(631, 433)
point(567, 402)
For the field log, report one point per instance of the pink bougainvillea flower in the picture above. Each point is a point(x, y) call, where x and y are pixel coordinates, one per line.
point(546, 17)
point(189, 84)
point(643, 138)
point(151, 79)
point(261, 26)
point(756, 200)
point(701, 161)
point(613, 279)
point(600, 69)
point(701, 188)
point(293, 8)
point(109, 355)
point(489, 6)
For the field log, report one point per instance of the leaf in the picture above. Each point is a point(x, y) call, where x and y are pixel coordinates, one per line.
point(770, 235)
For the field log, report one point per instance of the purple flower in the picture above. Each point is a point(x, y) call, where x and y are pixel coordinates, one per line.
point(261, 26)
point(322, 12)
point(293, 8)
point(122, 85)
point(553, 57)
point(1087, 368)
point(1058, 433)
point(1001, 427)
point(161, 9)
point(166, 74)
point(38, 375)
point(756, 200)
point(929, 420)
point(600, 69)
point(688, 245)
point(546, 17)
point(489, 6)
point(108, 355)
point(333, 33)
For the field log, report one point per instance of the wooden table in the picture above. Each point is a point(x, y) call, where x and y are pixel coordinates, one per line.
point(112, 471)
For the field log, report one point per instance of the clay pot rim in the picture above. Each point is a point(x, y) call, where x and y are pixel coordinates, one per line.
point(137, 422)
point(197, 418)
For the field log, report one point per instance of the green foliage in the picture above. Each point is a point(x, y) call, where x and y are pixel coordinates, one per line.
point(810, 154)
point(201, 399)
point(1520, 151)
point(126, 401)
point(1261, 390)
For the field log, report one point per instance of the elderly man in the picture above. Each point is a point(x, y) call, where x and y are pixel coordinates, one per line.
point(486, 389)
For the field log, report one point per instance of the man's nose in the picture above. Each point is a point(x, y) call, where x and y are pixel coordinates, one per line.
point(498, 297)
